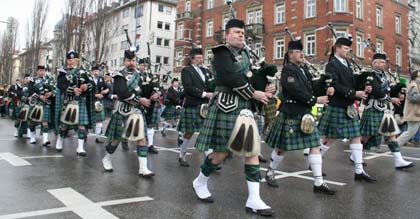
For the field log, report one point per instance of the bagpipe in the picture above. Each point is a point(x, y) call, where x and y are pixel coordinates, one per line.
point(321, 80)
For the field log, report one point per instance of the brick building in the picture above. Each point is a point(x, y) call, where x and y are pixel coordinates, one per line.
point(384, 22)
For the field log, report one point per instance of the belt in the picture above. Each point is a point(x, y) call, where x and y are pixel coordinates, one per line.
point(224, 89)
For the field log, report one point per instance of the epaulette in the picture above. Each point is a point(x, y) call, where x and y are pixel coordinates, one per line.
point(116, 74)
point(219, 49)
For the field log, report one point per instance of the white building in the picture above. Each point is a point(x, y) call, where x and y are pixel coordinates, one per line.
point(414, 34)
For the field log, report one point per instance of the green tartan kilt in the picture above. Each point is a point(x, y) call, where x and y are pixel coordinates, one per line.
point(100, 116)
point(83, 112)
point(170, 113)
point(45, 113)
point(116, 126)
point(269, 111)
point(335, 123)
point(218, 126)
point(282, 137)
point(190, 120)
point(374, 141)
point(153, 117)
point(15, 111)
point(370, 122)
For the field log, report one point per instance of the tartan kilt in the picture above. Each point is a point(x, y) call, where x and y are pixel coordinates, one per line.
point(190, 120)
point(269, 111)
point(45, 113)
point(281, 137)
point(370, 122)
point(374, 141)
point(170, 113)
point(335, 123)
point(217, 127)
point(83, 112)
point(116, 126)
point(99, 116)
point(15, 111)
point(153, 117)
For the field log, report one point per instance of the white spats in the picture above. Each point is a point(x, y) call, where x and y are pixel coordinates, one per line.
point(183, 147)
point(98, 129)
point(44, 137)
point(254, 200)
point(315, 161)
point(324, 148)
point(80, 144)
point(357, 156)
point(16, 134)
point(32, 139)
point(200, 186)
point(150, 136)
point(143, 170)
point(59, 143)
point(107, 162)
point(399, 160)
point(275, 159)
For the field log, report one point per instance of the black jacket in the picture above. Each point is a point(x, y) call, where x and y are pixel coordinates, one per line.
point(100, 85)
point(297, 92)
point(194, 86)
point(344, 83)
point(173, 97)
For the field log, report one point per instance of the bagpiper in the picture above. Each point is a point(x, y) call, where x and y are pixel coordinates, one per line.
point(173, 101)
point(195, 81)
point(378, 115)
point(101, 90)
point(230, 125)
point(74, 102)
point(295, 127)
point(341, 119)
point(22, 109)
point(127, 121)
point(41, 91)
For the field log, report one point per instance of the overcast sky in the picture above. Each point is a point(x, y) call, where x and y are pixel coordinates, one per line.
point(21, 10)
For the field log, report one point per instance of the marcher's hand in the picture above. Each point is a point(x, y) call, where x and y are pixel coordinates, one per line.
point(322, 100)
point(330, 91)
point(77, 91)
point(43, 98)
point(209, 95)
point(145, 102)
point(99, 96)
point(270, 88)
point(368, 89)
point(155, 96)
point(396, 101)
point(361, 95)
point(260, 96)
point(48, 94)
point(84, 87)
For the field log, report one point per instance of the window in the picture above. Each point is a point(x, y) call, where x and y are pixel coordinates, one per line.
point(380, 46)
point(258, 16)
point(280, 14)
point(180, 32)
point(138, 12)
point(210, 4)
point(209, 29)
point(187, 5)
point(168, 10)
point(359, 9)
point(250, 17)
point(178, 62)
point(254, 16)
point(126, 12)
point(359, 46)
point(279, 49)
point(209, 55)
point(159, 41)
point(165, 60)
point(340, 5)
point(167, 26)
point(158, 59)
point(341, 33)
point(257, 49)
point(160, 8)
point(398, 24)
point(310, 9)
point(166, 43)
point(225, 20)
point(379, 15)
point(398, 56)
point(310, 43)
point(160, 25)
point(123, 28)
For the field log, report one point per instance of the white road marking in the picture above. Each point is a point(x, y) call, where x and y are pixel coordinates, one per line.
point(299, 174)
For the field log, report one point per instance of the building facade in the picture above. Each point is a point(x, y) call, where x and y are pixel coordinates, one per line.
point(377, 25)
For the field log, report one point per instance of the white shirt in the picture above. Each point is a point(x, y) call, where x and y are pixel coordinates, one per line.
point(202, 76)
point(342, 61)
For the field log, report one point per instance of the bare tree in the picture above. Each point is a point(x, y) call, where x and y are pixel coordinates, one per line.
point(36, 32)
point(8, 46)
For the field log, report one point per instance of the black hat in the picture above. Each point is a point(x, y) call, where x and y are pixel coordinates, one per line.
point(295, 45)
point(142, 61)
point(196, 51)
point(95, 67)
point(72, 55)
point(27, 75)
point(235, 23)
point(175, 79)
point(40, 67)
point(343, 41)
point(379, 56)
point(128, 54)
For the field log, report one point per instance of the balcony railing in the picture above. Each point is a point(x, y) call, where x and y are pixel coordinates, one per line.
point(185, 14)
point(254, 30)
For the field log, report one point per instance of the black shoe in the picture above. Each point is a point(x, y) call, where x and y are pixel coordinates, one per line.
point(271, 181)
point(109, 170)
point(98, 141)
point(163, 133)
point(59, 150)
point(363, 163)
point(46, 144)
point(33, 142)
point(183, 162)
point(262, 159)
point(323, 174)
point(263, 212)
point(323, 189)
point(147, 176)
point(124, 146)
point(81, 154)
point(364, 177)
point(180, 141)
point(405, 167)
point(152, 150)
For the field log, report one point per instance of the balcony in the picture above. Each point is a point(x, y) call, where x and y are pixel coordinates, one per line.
point(219, 36)
point(184, 15)
point(254, 30)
